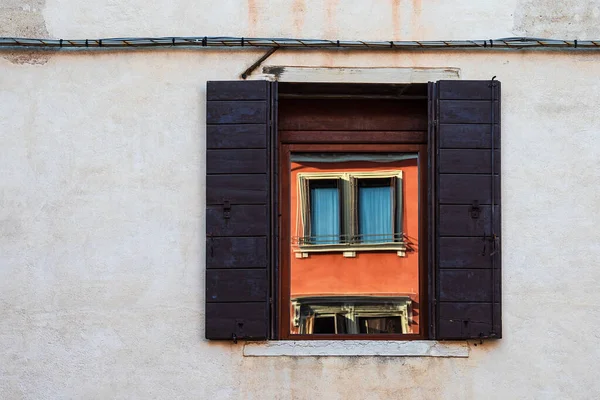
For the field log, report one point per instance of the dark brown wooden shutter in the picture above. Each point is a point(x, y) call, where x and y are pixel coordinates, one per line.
point(238, 209)
point(467, 210)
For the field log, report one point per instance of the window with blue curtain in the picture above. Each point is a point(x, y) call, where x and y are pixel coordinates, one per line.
point(375, 211)
point(324, 212)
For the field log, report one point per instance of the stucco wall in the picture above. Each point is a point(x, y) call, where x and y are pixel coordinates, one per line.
point(102, 206)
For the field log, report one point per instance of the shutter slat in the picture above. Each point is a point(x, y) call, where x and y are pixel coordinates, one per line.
point(468, 161)
point(468, 136)
point(456, 220)
point(237, 210)
point(237, 90)
point(464, 252)
point(243, 221)
point(236, 112)
point(236, 136)
point(223, 320)
point(237, 189)
point(236, 252)
point(466, 112)
point(464, 189)
point(481, 312)
point(236, 285)
point(470, 285)
point(236, 161)
point(467, 320)
point(466, 90)
point(467, 259)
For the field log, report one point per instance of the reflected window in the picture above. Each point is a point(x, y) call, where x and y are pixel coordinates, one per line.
point(324, 209)
point(376, 210)
point(349, 210)
point(348, 314)
point(380, 324)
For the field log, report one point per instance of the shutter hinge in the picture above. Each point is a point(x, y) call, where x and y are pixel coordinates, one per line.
point(475, 210)
point(238, 330)
point(226, 209)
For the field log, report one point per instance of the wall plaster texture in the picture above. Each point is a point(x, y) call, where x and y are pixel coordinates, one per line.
point(102, 206)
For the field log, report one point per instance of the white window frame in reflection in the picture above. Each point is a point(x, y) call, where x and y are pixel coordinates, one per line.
point(349, 239)
point(351, 308)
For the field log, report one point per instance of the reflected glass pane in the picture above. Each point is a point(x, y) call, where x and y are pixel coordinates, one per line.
point(375, 212)
point(324, 212)
point(354, 251)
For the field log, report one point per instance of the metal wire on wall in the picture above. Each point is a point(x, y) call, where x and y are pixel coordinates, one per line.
point(515, 43)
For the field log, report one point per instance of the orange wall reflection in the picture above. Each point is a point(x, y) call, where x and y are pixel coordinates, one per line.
point(370, 273)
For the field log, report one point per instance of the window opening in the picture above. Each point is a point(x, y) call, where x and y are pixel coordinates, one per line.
point(351, 270)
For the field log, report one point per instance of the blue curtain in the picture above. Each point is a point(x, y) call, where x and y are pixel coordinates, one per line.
point(375, 214)
point(325, 215)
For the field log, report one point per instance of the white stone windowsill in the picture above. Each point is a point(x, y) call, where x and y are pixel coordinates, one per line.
point(349, 348)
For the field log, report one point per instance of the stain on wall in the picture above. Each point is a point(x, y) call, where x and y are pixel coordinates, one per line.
point(415, 19)
point(395, 18)
point(298, 9)
point(569, 19)
point(331, 27)
point(23, 19)
point(253, 16)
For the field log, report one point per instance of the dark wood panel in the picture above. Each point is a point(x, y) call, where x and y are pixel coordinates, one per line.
point(247, 220)
point(237, 263)
point(468, 136)
point(464, 189)
point(476, 312)
point(361, 148)
point(236, 252)
point(352, 115)
point(468, 161)
point(468, 329)
point(467, 274)
point(470, 320)
point(430, 218)
point(470, 285)
point(411, 137)
point(354, 90)
point(466, 112)
point(238, 161)
point(468, 90)
point(236, 90)
point(236, 136)
point(236, 112)
point(455, 220)
point(224, 319)
point(465, 252)
point(236, 285)
point(237, 189)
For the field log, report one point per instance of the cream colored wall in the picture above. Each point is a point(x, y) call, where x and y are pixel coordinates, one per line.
point(102, 206)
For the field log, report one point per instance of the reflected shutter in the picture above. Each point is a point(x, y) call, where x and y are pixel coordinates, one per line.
point(467, 210)
point(238, 224)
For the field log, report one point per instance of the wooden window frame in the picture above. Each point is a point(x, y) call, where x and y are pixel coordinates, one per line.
point(369, 143)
